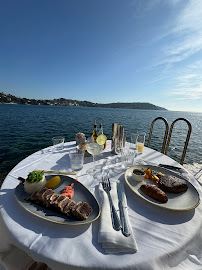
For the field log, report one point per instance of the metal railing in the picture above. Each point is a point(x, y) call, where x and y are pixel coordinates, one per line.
point(166, 143)
point(187, 138)
point(165, 134)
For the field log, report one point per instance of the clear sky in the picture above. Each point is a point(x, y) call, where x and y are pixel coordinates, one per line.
point(103, 51)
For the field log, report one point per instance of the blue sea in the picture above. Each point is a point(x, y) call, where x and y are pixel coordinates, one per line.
point(25, 129)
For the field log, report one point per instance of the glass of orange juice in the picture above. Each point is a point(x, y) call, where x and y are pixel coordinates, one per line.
point(140, 142)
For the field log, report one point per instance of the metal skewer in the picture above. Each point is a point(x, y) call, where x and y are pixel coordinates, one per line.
point(57, 172)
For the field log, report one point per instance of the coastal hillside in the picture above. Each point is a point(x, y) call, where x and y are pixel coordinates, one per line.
point(10, 99)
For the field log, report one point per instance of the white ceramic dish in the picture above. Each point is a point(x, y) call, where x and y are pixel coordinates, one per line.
point(138, 177)
point(179, 202)
point(81, 193)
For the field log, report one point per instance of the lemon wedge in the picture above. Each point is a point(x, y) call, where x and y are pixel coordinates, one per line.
point(101, 139)
point(53, 182)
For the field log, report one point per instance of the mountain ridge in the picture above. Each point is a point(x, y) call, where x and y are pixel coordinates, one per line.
point(11, 99)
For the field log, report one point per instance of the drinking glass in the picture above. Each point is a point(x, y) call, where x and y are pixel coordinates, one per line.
point(127, 157)
point(133, 140)
point(118, 145)
point(58, 143)
point(93, 148)
point(140, 142)
point(76, 160)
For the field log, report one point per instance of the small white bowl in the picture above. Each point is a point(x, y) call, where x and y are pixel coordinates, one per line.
point(138, 175)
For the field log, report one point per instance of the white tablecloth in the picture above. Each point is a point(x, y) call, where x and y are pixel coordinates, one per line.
point(166, 239)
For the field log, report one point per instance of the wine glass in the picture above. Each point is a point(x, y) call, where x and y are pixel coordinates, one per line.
point(93, 148)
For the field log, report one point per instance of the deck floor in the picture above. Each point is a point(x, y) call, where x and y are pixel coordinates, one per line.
point(195, 169)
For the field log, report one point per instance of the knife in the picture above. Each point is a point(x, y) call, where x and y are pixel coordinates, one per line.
point(125, 226)
point(172, 167)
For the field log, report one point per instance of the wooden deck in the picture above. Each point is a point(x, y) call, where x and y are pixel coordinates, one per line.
point(195, 169)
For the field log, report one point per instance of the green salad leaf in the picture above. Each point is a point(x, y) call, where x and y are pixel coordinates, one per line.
point(35, 177)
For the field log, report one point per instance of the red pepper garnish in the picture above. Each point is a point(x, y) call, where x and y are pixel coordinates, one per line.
point(21, 179)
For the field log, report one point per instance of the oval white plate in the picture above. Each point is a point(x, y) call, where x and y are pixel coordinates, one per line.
point(176, 201)
point(81, 193)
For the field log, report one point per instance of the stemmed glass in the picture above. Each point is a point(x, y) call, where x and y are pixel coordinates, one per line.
point(93, 148)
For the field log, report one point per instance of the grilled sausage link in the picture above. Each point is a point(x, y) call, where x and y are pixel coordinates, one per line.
point(154, 192)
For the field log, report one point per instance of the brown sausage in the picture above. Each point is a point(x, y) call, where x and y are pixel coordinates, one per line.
point(154, 192)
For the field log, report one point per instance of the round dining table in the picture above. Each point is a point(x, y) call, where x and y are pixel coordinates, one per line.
point(165, 239)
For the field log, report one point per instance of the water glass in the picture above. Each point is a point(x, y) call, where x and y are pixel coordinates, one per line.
point(133, 140)
point(140, 142)
point(76, 160)
point(127, 157)
point(58, 143)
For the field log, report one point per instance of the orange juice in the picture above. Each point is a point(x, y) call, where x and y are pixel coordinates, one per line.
point(140, 147)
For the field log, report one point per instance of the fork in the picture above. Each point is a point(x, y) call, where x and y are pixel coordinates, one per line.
point(114, 215)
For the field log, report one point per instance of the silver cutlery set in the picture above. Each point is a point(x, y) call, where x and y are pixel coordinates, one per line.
point(118, 223)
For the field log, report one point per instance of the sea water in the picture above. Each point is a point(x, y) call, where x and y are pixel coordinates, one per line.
point(25, 129)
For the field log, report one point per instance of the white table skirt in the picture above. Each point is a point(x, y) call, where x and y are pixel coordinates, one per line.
point(166, 239)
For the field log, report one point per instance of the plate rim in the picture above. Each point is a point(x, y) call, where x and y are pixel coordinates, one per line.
point(156, 204)
point(80, 222)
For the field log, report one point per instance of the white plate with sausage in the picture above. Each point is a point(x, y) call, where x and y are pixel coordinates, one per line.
point(176, 201)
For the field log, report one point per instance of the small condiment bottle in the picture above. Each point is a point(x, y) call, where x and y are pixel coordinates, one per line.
point(101, 132)
point(95, 135)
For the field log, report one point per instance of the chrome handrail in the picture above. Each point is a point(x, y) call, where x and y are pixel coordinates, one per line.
point(165, 134)
point(187, 139)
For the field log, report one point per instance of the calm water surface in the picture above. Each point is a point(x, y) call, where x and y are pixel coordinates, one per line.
point(27, 129)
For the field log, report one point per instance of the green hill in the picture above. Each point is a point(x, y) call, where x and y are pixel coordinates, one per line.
point(8, 98)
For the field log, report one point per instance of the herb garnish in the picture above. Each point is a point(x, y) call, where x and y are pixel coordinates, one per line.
point(35, 177)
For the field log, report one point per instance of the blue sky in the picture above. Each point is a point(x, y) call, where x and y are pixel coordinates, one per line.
point(103, 51)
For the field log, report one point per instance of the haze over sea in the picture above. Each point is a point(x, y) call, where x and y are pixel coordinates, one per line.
point(27, 129)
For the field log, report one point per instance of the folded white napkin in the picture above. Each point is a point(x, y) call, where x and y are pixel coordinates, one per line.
point(113, 241)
